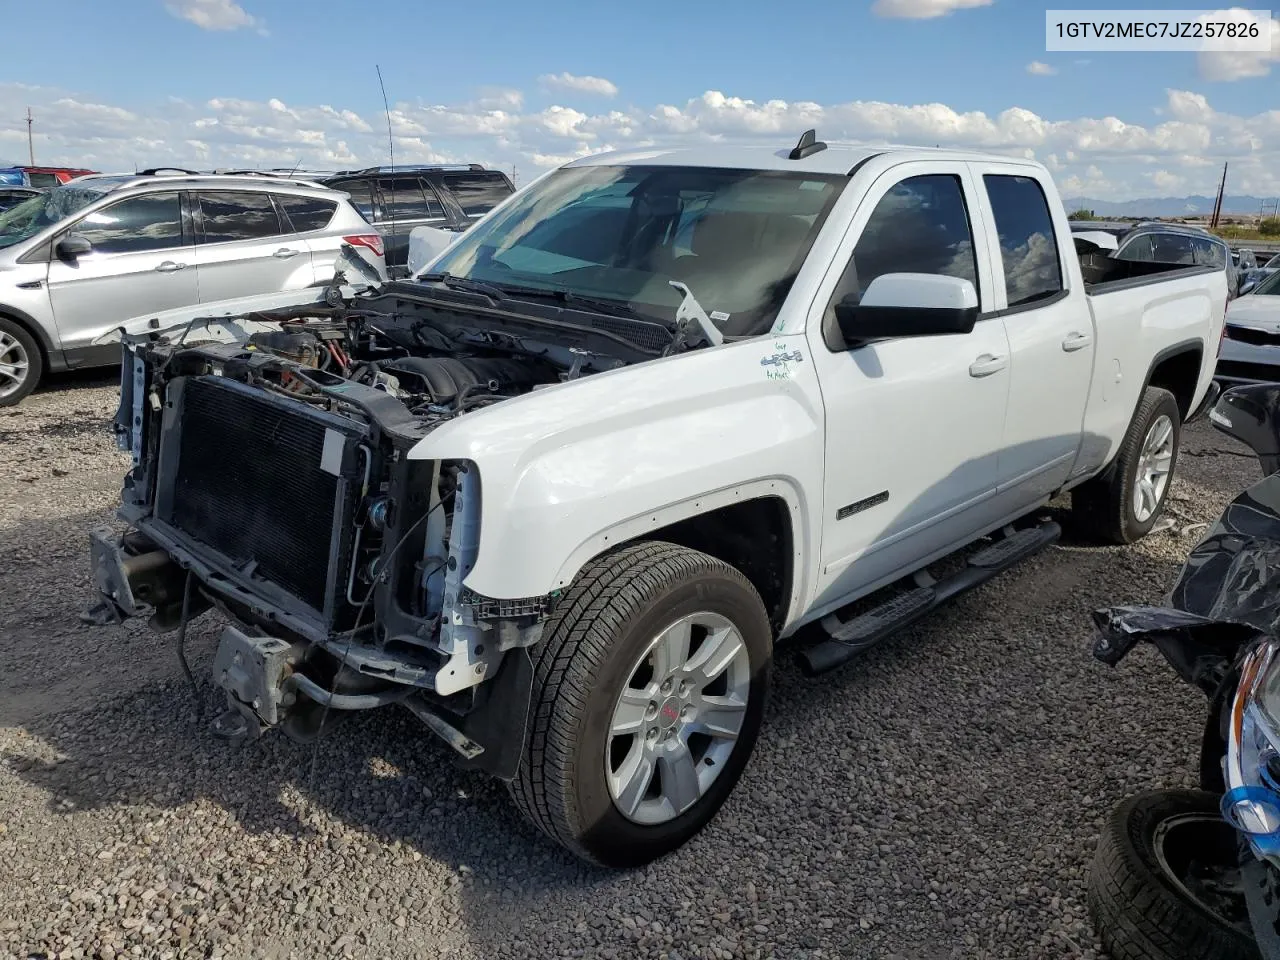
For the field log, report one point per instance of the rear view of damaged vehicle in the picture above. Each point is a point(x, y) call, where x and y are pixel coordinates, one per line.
point(560, 495)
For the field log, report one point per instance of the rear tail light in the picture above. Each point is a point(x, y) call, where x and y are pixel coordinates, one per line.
point(371, 240)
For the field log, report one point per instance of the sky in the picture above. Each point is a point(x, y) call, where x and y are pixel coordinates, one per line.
point(275, 83)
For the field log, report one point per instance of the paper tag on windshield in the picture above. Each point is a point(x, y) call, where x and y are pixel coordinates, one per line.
point(719, 316)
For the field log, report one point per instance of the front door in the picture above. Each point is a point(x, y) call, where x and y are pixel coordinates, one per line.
point(141, 263)
point(914, 425)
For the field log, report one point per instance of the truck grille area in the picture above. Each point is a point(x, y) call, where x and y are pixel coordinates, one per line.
point(247, 481)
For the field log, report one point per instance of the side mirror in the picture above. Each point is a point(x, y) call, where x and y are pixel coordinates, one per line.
point(909, 305)
point(72, 246)
point(1251, 414)
point(1246, 287)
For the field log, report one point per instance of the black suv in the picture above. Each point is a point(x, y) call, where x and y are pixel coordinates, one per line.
point(397, 199)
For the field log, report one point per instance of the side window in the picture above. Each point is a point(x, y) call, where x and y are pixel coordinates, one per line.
point(306, 213)
point(135, 225)
point(1206, 253)
point(1171, 248)
point(361, 196)
point(1139, 249)
point(43, 179)
point(238, 216)
point(1028, 245)
point(403, 198)
point(477, 193)
point(920, 226)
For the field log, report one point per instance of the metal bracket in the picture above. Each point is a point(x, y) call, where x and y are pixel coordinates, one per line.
point(252, 671)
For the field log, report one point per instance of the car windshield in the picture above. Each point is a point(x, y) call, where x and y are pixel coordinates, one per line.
point(737, 238)
point(1269, 287)
point(31, 216)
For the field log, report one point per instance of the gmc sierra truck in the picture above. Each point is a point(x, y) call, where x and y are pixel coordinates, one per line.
point(562, 494)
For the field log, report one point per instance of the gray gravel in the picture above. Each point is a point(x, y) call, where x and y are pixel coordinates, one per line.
point(938, 798)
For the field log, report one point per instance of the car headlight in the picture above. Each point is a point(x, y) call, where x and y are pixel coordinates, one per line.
point(1252, 801)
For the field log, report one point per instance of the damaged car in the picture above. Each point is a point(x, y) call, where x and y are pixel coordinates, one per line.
point(560, 495)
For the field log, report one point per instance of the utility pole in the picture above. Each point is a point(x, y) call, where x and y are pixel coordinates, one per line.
point(1217, 207)
point(515, 182)
point(31, 149)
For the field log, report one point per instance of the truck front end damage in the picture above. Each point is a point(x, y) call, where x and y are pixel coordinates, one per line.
point(272, 481)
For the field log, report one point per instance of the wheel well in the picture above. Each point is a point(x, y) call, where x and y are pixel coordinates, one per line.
point(753, 536)
point(1179, 374)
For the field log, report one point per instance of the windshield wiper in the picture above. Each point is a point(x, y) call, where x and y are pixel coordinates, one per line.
point(464, 283)
point(570, 299)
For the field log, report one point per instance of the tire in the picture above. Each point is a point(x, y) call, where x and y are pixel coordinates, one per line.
point(1103, 508)
point(1138, 907)
point(16, 342)
point(617, 608)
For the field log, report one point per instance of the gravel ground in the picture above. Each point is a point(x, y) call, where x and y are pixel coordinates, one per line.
point(938, 798)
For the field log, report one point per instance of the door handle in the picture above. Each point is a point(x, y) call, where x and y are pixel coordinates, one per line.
point(284, 253)
point(1076, 341)
point(986, 365)
point(171, 266)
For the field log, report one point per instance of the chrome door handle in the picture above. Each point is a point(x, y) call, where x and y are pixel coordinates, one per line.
point(1076, 341)
point(986, 365)
point(171, 266)
point(284, 253)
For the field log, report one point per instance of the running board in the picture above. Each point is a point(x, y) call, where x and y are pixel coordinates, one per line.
point(846, 639)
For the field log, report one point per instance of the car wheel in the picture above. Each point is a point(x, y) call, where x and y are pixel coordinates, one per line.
point(649, 687)
point(21, 363)
point(1123, 504)
point(1165, 882)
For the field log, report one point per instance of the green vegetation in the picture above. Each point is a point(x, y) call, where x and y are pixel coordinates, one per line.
point(1081, 214)
point(1270, 227)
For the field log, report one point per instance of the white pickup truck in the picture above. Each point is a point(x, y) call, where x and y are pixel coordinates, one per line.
point(561, 496)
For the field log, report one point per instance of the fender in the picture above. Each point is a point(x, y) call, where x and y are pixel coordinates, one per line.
point(53, 356)
point(568, 471)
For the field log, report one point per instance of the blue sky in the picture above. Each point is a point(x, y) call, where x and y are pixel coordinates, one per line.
point(270, 82)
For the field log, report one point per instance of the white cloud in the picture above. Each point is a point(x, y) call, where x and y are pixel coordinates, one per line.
point(1098, 156)
point(922, 9)
point(1229, 65)
point(1038, 69)
point(213, 14)
point(598, 86)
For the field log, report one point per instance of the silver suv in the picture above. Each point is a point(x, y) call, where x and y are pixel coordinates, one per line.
point(86, 256)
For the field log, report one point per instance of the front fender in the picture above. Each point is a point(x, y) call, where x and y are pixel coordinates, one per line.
point(569, 471)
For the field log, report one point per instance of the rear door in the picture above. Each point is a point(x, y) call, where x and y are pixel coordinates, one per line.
point(308, 219)
point(405, 202)
point(1050, 331)
point(142, 262)
point(245, 247)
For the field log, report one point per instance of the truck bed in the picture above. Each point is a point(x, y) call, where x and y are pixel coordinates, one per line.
point(1104, 274)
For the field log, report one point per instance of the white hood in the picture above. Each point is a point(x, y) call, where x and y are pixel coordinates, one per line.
point(1253, 310)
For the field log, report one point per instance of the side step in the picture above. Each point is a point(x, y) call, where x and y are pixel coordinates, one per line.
point(845, 639)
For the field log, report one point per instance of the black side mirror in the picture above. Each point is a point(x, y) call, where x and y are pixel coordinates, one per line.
point(71, 246)
point(909, 305)
point(1251, 414)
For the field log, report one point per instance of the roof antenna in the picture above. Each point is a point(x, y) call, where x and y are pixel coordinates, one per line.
point(808, 145)
point(391, 150)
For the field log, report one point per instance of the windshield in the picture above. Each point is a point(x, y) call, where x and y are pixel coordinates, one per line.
point(1269, 286)
point(737, 238)
point(31, 216)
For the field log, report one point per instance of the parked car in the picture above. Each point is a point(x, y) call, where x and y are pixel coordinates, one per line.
point(1255, 276)
point(397, 199)
point(1251, 339)
point(87, 255)
point(12, 196)
point(40, 176)
point(1168, 243)
point(561, 496)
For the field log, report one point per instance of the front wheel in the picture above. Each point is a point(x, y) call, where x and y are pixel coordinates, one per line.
point(649, 688)
point(21, 363)
point(1165, 883)
point(1123, 504)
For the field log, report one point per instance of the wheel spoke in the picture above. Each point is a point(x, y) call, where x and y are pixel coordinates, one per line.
point(13, 371)
point(715, 654)
point(1148, 494)
point(628, 715)
point(679, 776)
point(719, 717)
point(1163, 432)
point(672, 650)
point(633, 778)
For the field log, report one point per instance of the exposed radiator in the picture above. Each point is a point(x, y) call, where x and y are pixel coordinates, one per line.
point(252, 479)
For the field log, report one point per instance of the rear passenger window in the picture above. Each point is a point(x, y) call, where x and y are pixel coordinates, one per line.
point(920, 226)
point(477, 193)
point(403, 198)
point(238, 216)
point(1208, 254)
point(1028, 245)
point(361, 195)
point(306, 213)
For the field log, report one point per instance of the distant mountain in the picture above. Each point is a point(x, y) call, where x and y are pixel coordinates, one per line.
point(1170, 206)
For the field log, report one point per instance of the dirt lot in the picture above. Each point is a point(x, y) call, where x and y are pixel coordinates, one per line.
point(940, 797)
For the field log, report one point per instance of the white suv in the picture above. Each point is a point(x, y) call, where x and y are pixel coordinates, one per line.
point(79, 260)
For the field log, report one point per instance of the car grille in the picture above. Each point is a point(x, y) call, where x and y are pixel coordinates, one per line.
point(1234, 370)
point(1264, 338)
point(248, 483)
